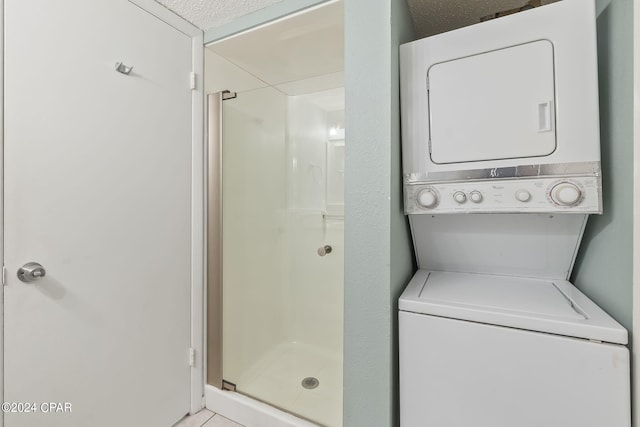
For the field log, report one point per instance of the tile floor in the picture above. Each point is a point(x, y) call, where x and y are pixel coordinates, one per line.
point(206, 418)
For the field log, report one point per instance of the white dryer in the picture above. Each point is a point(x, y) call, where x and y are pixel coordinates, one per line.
point(509, 100)
point(501, 162)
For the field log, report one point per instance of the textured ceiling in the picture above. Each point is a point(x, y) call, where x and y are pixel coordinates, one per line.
point(207, 14)
point(300, 47)
point(429, 16)
point(437, 16)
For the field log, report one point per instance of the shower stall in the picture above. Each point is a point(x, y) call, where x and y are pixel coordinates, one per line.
point(275, 223)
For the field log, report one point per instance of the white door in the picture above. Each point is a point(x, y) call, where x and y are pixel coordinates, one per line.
point(97, 190)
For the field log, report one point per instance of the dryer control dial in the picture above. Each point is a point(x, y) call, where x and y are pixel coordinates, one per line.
point(475, 196)
point(427, 198)
point(566, 194)
point(523, 195)
point(578, 194)
point(459, 197)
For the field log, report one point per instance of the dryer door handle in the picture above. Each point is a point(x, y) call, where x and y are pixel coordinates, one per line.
point(544, 117)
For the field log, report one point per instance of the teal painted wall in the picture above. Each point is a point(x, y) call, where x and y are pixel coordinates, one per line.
point(402, 257)
point(604, 265)
point(378, 259)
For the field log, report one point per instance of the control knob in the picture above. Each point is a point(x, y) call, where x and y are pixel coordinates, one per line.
point(459, 197)
point(427, 198)
point(523, 195)
point(566, 194)
point(475, 196)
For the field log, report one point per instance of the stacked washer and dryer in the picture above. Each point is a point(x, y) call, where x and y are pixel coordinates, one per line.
point(501, 159)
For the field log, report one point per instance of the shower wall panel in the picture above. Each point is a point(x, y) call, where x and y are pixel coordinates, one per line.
point(316, 285)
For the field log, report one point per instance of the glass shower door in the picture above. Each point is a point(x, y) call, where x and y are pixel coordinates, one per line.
point(282, 255)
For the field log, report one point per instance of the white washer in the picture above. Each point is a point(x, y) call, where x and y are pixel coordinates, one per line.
point(497, 351)
point(491, 333)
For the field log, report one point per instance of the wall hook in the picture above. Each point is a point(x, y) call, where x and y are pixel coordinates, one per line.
point(124, 69)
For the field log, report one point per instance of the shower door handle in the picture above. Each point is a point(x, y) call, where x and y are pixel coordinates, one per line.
point(324, 250)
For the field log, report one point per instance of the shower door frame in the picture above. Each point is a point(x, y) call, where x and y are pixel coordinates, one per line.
point(214, 239)
point(214, 252)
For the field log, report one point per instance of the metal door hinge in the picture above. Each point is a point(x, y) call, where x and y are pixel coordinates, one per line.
point(226, 385)
point(192, 357)
point(4, 275)
point(227, 94)
point(192, 80)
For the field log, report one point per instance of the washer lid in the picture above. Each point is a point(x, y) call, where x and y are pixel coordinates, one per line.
point(552, 306)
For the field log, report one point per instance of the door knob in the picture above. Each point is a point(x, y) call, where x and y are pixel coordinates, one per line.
point(324, 250)
point(30, 272)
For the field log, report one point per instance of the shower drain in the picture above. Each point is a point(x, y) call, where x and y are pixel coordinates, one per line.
point(310, 382)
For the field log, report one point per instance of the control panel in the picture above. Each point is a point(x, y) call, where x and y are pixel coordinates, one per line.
point(535, 195)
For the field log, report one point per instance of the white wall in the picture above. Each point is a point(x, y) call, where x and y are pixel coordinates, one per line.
point(315, 298)
point(307, 147)
point(220, 74)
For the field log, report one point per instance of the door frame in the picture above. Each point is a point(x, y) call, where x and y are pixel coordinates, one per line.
point(197, 196)
point(2, 204)
point(635, 334)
